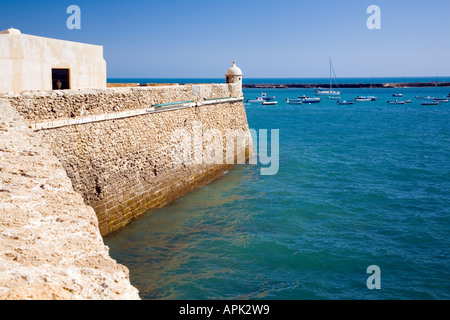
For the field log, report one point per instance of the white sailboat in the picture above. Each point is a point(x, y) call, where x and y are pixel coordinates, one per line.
point(330, 92)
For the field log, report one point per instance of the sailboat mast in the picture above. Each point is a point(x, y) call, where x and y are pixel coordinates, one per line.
point(331, 81)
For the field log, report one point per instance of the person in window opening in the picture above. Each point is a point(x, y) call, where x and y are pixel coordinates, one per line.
point(58, 85)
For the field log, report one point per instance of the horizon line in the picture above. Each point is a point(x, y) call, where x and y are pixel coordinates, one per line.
point(369, 77)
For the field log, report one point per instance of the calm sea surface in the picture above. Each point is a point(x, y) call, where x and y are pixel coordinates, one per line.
point(358, 185)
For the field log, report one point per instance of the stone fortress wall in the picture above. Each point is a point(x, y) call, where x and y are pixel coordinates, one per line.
point(116, 144)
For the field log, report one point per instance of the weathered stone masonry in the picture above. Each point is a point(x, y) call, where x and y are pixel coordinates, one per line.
point(50, 244)
point(123, 167)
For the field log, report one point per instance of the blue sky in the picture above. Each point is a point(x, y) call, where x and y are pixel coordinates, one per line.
point(283, 38)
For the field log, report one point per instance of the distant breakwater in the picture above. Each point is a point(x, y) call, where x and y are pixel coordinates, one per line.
point(347, 85)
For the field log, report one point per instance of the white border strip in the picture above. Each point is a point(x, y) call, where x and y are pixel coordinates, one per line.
point(125, 114)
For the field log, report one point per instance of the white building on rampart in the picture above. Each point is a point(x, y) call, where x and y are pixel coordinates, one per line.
point(36, 63)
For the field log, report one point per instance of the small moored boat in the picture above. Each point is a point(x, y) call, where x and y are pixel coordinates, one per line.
point(344, 102)
point(397, 95)
point(311, 100)
point(264, 96)
point(396, 102)
point(305, 99)
point(267, 103)
point(294, 101)
point(430, 103)
point(365, 98)
point(326, 92)
point(329, 92)
point(441, 100)
point(259, 99)
point(426, 98)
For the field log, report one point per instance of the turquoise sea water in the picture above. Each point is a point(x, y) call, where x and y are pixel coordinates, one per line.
point(358, 185)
